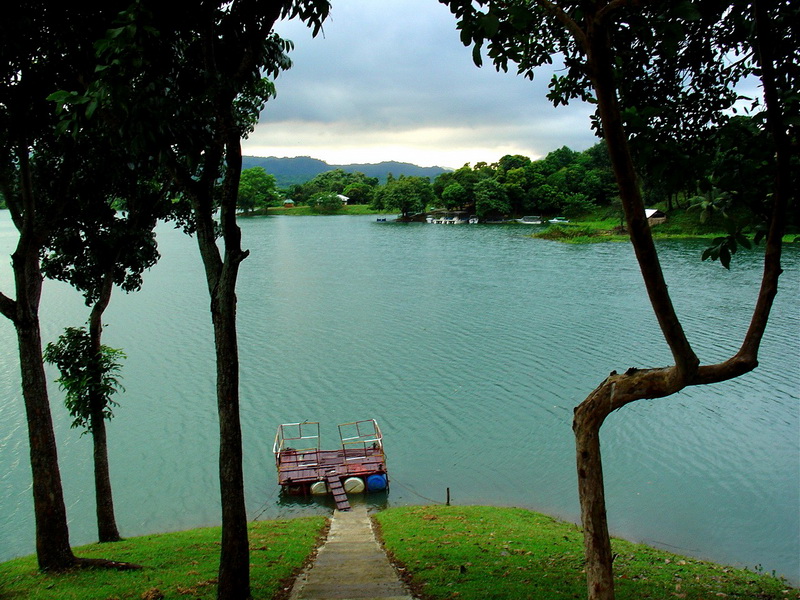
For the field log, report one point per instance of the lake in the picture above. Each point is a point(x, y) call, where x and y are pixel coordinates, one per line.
point(470, 345)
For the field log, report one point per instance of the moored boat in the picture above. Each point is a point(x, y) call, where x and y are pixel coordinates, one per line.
point(356, 466)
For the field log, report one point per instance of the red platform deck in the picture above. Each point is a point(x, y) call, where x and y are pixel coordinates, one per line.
point(298, 467)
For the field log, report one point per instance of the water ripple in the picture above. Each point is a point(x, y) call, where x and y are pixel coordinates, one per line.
point(471, 346)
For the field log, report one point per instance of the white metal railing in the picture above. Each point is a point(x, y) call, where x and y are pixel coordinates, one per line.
point(288, 436)
point(357, 436)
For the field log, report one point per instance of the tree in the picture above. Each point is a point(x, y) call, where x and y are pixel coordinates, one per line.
point(336, 181)
point(360, 193)
point(77, 363)
point(89, 378)
point(256, 189)
point(325, 202)
point(41, 173)
point(511, 162)
point(186, 87)
point(654, 72)
point(93, 249)
point(491, 199)
point(454, 196)
point(408, 195)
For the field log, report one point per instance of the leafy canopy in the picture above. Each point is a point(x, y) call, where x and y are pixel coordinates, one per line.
point(89, 379)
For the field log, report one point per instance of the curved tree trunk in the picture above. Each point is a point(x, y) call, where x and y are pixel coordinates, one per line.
point(591, 413)
point(619, 390)
point(106, 522)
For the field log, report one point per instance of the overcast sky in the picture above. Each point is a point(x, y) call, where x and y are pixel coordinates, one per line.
point(390, 80)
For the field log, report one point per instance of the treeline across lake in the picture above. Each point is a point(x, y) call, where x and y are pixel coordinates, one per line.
point(565, 181)
point(726, 173)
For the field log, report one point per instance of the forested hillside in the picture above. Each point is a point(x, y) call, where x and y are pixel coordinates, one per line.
point(300, 169)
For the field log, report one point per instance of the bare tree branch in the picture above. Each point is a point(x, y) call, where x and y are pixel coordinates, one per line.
point(559, 13)
point(8, 307)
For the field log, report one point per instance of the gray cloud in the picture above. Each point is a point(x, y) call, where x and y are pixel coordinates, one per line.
point(393, 76)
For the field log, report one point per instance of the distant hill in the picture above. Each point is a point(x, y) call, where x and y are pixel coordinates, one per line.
point(290, 171)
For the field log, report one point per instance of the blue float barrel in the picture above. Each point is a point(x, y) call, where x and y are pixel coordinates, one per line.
point(376, 483)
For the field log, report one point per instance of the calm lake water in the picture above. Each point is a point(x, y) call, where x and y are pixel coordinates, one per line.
point(471, 345)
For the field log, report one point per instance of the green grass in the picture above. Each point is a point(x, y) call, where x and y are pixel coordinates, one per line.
point(581, 233)
point(480, 553)
point(469, 553)
point(176, 565)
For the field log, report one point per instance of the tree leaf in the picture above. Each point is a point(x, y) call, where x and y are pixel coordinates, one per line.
point(476, 55)
point(743, 241)
point(725, 257)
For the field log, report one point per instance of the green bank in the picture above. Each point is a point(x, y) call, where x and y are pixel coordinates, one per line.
point(470, 553)
point(479, 553)
point(606, 226)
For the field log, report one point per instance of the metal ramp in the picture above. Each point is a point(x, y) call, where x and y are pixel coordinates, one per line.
point(337, 489)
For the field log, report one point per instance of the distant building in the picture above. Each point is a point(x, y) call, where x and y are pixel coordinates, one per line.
point(345, 200)
point(655, 216)
point(288, 203)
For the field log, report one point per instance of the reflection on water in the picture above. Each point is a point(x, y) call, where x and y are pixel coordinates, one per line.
point(470, 345)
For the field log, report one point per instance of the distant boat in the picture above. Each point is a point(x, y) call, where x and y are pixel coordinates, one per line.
point(448, 218)
point(559, 220)
point(530, 220)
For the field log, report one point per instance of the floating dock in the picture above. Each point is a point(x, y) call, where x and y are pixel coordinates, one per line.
point(358, 465)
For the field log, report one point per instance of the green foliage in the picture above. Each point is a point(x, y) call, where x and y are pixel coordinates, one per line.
point(564, 182)
point(724, 247)
point(256, 189)
point(87, 249)
point(491, 199)
point(479, 553)
point(89, 379)
point(359, 193)
point(335, 182)
point(325, 202)
point(176, 565)
point(454, 196)
point(408, 195)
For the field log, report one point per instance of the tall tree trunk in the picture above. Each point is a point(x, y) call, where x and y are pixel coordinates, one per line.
point(53, 551)
point(234, 566)
point(106, 522)
point(221, 276)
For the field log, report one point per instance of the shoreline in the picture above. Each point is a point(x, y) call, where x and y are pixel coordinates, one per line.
point(441, 549)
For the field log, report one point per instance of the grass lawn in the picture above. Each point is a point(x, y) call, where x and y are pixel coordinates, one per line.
point(480, 553)
point(465, 553)
point(176, 565)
